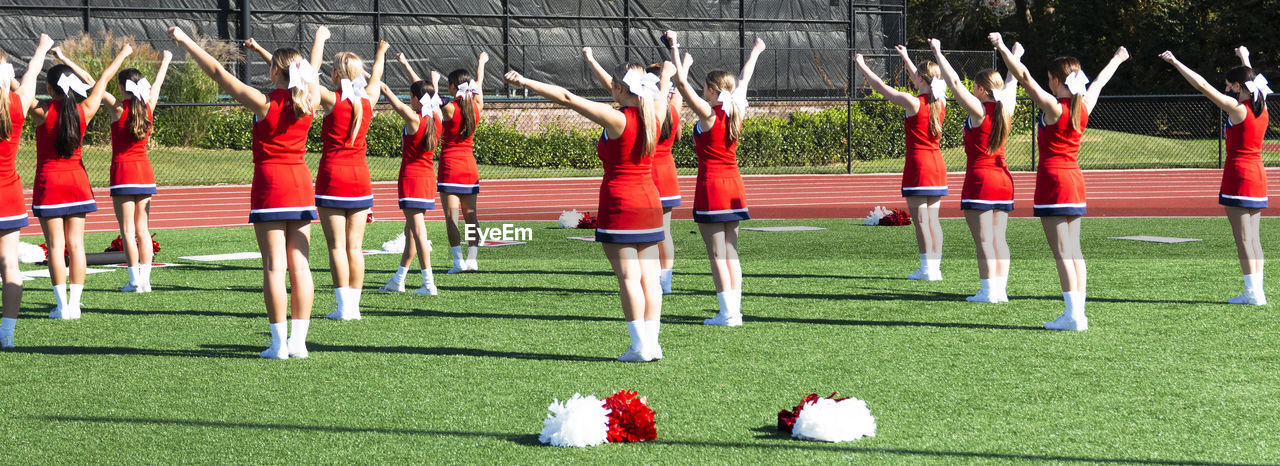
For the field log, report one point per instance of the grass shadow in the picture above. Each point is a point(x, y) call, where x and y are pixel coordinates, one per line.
point(127, 351)
point(697, 320)
point(426, 351)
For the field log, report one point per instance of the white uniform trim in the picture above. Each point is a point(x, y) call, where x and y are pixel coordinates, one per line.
point(341, 198)
point(15, 217)
point(459, 185)
point(981, 201)
point(924, 187)
point(59, 206)
point(417, 199)
point(114, 186)
point(631, 232)
point(1243, 198)
point(668, 198)
point(1058, 206)
point(718, 212)
point(281, 209)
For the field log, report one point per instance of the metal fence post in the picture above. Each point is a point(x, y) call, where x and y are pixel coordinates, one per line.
point(246, 31)
point(1221, 130)
point(377, 23)
point(506, 44)
point(87, 15)
point(742, 33)
point(848, 94)
point(626, 31)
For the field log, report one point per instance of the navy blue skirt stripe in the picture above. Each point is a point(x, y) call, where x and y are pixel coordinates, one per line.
point(417, 204)
point(133, 191)
point(344, 203)
point(909, 192)
point(671, 202)
point(1243, 203)
point(44, 212)
point(629, 238)
point(15, 223)
point(1058, 211)
point(998, 205)
point(282, 216)
point(454, 189)
point(721, 217)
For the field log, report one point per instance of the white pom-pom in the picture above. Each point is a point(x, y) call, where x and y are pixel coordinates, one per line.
point(578, 422)
point(570, 218)
point(829, 420)
point(29, 253)
point(395, 245)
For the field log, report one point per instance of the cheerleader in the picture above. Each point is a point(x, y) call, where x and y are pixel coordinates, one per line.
point(1060, 193)
point(459, 180)
point(924, 177)
point(132, 180)
point(630, 221)
point(1244, 179)
point(987, 195)
point(282, 201)
point(664, 164)
point(344, 193)
point(720, 200)
point(16, 99)
point(61, 195)
point(416, 186)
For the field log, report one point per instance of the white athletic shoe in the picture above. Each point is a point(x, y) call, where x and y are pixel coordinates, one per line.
point(657, 354)
point(275, 352)
point(145, 288)
point(1067, 323)
point(725, 320)
point(458, 267)
point(470, 266)
point(1003, 298)
point(339, 315)
point(59, 313)
point(665, 283)
point(298, 350)
point(925, 275)
point(982, 297)
point(393, 286)
point(426, 290)
point(6, 340)
point(130, 288)
point(74, 312)
point(633, 356)
point(1251, 298)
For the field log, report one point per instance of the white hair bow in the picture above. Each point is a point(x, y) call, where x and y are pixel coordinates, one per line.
point(1008, 97)
point(642, 84)
point(70, 82)
point(301, 74)
point(469, 87)
point(6, 74)
point(354, 90)
point(141, 89)
point(1077, 83)
point(730, 100)
point(430, 103)
point(938, 88)
point(1258, 87)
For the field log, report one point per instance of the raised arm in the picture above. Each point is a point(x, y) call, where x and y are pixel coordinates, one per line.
point(1046, 101)
point(253, 45)
point(1095, 88)
point(699, 106)
point(94, 100)
point(247, 96)
point(413, 77)
point(27, 87)
point(899, 98)
point(1243, 53)
point(971, 104)
point(317, 47)
point(375, 77)
point(613, 121)
point(411, 117)
point(83, 74)
point(1228, 104)
point(160, 75)
point(906, 58)
point(602, 76)
point(749, 68)
point(482, 60)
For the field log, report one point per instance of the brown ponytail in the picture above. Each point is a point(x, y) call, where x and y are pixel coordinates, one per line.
point(6, 120)
point(1243, 74)
point(68, 124)
point(928, 71)
point(280, 60)
point(1000, 122)
point(724, 81)
point(430, 139)
point(665, 131)
point(138, 124)
point(466, 103)
point(1059, 69)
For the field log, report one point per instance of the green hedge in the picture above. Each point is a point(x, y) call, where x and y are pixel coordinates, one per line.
point(796, 140)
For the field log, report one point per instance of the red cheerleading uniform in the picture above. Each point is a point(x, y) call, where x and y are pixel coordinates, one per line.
point(342, 179)
point(13, 211)
point(719, 195)
point(131, 173)
point(458, 172)
point(1059, 182)
point(1244, 180)
point(664, 164)
point(281, 188)
point(417, 185)
point(988, 184)
point(925, 173)
point(61, 185)
point(630, 211)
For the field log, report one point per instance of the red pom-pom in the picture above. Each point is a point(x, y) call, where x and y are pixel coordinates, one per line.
point(370, 218)
point(45, 247)
point(897, 217)
point(787, 419)
point(630, 419)
point(118, 245)
point(587, 221)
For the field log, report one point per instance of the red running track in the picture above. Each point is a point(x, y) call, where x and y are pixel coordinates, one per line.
point(1126, 193)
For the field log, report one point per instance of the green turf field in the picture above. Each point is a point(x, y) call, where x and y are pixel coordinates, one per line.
point(1166, 374)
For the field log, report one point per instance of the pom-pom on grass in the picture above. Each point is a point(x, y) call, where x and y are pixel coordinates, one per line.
point(630, 418)
point(828, 419)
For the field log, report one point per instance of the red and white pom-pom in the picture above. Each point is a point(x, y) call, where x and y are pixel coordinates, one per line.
point(578, 422)
point(29, 253)
point(570, 218)
point(876, 214)
point(830, 420)
point(630, 417)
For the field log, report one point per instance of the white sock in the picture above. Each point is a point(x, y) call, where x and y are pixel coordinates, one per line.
point(298, 330)
point(471, 252)
point(723, 297)
point(401, 272)
point(998, 286)
point(279, 333)
point(146, 274)
point(735, 302)
point(652, 328)
point(1078, 312)
point(924, 262)
point(340, 298)
point(60, 294)
point(7, 325)
point(1069, 299)
point(353, 298)
point(665, 277)
point(73, 294)
point(985, 289)
point(428, 278)
point(457, 254)
point(133, 275)
point(1248, 282)
point(636, 329)
point(935, 263)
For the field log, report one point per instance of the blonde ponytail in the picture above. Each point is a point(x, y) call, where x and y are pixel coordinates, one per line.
point(347, 65)
point(280, 60)
point(1001, 123)
point(6, 120)
point(1059, 69)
